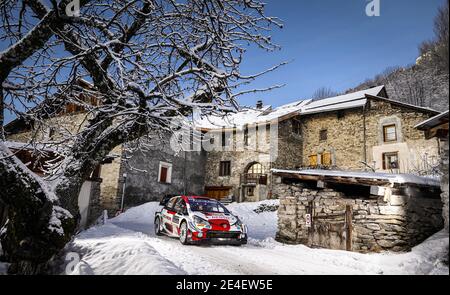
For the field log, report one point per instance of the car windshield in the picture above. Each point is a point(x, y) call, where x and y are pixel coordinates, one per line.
point(208, 206)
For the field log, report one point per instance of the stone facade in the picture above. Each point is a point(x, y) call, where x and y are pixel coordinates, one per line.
point(283, 152)
point(141, 168)
point(373, 223)
point(356, 135)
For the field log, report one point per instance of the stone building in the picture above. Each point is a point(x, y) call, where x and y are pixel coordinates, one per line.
point(356, 211)
point(438, 127)
point(361, 131)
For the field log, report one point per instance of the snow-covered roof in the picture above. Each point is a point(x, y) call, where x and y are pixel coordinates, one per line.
point(308, 106)
point(388, 177)
point(346, 101)
point(434, 121)
point(250, 116)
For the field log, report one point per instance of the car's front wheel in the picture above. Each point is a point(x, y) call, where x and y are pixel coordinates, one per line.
point(184, 234)
point(158, 227)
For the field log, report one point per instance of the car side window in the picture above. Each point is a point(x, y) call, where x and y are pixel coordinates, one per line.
point(171, 203)
point(180, 206)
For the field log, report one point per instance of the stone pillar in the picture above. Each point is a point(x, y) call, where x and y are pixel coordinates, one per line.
point(444, 181)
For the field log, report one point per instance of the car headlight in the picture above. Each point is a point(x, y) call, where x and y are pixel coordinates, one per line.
point(198, 221)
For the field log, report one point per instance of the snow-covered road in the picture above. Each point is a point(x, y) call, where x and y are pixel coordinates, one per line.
point(127, 245)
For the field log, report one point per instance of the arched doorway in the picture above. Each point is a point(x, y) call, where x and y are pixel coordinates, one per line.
point(254, 182)
point(255, 168)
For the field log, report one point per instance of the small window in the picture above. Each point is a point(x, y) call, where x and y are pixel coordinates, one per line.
point(180, 206)
point(224, 138)
point(390, 133)
point(250, 191)
point(165, 172)
point(323, 135)
point(267, 132)
point(296, 128)
point(340, 115)
point(225, 168)
point(171, 203)
point(390, 161)
point(246, 136)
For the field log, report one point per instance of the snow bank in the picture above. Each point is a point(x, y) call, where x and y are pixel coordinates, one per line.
point(260, 225)
point(112, 250)
point(127, 245)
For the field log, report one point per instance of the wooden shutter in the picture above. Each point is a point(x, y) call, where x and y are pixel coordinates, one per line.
point(313, 160)
point(326, 159)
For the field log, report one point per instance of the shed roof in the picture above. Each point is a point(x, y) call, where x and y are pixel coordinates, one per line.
point(359, 177)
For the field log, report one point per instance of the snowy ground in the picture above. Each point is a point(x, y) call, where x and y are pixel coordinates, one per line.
point(127, 245)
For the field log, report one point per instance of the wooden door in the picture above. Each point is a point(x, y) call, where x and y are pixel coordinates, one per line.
point(217, 193)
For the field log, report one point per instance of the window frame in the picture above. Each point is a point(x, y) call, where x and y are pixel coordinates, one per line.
point(386, 165)
point(323, 132)
point(225, 171)
point(385, 128)
point(169, 168)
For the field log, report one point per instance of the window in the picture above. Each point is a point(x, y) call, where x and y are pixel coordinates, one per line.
point(180, 206)
point(340, 114)
point(250, 191)
point(165, 172)
point(390, 133)
point(296, 128)
point(390, 161)
point(225, 168)
point(171, 203)
point(246, 136)
point(267, 132)
point(224, 138)
point(323, 135)
point(256, 168)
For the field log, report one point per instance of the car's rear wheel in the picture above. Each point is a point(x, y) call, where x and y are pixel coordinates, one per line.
point(158, 227)
point(184, 233)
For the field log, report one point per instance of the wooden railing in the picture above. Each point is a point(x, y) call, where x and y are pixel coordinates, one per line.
point(254, 178)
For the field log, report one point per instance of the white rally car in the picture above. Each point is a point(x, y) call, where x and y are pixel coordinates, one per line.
point(196, 220)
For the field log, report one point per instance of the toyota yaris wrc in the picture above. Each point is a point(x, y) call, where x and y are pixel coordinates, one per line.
point(196, 220)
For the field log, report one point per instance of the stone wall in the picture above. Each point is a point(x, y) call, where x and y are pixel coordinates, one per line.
point(142, 169)
point(350, 144)
point(285, 153)
point(444, 180)
point(395, 224)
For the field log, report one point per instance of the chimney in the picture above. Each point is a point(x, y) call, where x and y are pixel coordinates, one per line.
point(259, 104)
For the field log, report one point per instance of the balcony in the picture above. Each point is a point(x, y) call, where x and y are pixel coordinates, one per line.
point(254, 178)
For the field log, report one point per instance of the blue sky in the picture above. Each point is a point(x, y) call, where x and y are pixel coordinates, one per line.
point(333, 43)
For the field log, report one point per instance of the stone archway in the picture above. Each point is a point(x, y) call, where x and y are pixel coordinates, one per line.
point(254, 182)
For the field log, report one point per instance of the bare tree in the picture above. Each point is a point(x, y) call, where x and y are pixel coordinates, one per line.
point(435, 52)
point(323, 92)
point(145, 63)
